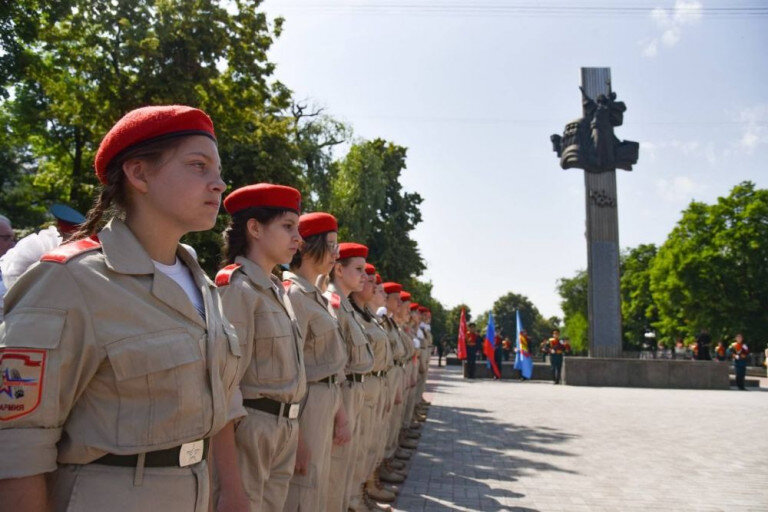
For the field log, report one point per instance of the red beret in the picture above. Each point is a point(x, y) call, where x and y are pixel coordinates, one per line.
point(378, 278)
point(150, 124)
point(316, 223)
point(391, 287)
point(370, 269)
point(423, 309)
point(264, 195)
point(352, 250)
point(405, 296)
point(414, 306)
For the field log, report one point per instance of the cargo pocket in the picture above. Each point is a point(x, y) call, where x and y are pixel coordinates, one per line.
point(274, 351)
point(160, 379)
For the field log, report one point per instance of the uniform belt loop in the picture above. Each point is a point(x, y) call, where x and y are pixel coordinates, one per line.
point(138, 475)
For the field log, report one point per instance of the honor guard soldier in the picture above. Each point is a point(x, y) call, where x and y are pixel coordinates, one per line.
point(323, 421)
point(738, 351)
point(118, 364)
point(472, 341)
point(264, 232)
point(557, 348)
point(348, 275)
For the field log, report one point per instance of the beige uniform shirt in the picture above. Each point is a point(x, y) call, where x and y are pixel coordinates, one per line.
point(358, 349)
point(110, 356)
point(407, 341)
point(379, 340)
point(273, 360)
point(399, 353)
point(324, 353)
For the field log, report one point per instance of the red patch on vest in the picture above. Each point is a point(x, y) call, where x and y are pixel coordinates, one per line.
point(22, 372)
point(225, 275)
point(335, 301)
point(66, 252)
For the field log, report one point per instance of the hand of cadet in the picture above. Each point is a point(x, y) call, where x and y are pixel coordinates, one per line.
point(341, 433)
point(398, 397)
point(303, 456)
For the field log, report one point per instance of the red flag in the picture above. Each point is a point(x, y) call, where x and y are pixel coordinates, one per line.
point(462, 344)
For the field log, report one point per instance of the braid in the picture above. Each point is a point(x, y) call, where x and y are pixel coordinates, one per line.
point(111, 199)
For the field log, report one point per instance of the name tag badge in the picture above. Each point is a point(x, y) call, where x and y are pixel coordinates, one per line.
point(191, 453)
point(293, 411)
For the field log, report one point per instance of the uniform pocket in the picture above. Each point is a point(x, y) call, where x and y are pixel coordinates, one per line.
point(160, 379)
point(274, 354)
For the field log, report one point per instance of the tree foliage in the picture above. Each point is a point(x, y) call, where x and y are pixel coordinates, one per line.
point(452, 319)
point(573, 292)
point(638, 309)
point(711, 271)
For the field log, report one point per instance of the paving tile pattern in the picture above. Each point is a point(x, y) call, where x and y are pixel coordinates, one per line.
point(535, 446)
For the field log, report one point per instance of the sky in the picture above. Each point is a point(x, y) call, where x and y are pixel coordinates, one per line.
point(474, 89)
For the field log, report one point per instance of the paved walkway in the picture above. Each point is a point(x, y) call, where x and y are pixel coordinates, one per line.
point(538, 447)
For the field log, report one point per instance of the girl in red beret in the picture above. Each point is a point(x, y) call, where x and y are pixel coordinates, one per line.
point(127, 364)
point(323, 421)
point(263, 233)
point(347, 276)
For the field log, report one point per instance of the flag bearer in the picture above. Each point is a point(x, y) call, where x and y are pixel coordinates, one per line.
point(739, 351)
point(557, 348)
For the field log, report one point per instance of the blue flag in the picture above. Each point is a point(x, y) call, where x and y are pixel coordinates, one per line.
point(523, 360)
point(490, 345)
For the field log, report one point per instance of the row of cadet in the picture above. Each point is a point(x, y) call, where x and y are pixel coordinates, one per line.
point(133, 382)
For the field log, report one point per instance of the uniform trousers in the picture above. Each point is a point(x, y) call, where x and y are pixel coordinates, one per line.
point(396, 380)
point(309, 492)
point(410, 403)
point(556, 360)
point(370, 425)
point(380, 434)
point(266, 446)
point(423, 367)
point(344, 458)
point(89, 487)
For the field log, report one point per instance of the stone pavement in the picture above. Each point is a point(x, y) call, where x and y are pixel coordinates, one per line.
point(535, 446)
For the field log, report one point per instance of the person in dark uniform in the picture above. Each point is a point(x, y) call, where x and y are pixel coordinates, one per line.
point(739, 351)
point(472, 341)
point(68, 219)
point(440, 345)
point(703, 342)
point(557, 348)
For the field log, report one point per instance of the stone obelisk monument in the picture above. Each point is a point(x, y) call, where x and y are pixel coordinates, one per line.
point(589, 143)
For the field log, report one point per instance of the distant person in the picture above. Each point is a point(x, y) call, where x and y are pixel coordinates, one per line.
point(544, 350)
point(739, 351)
point(472, 342)
point(440, 347)
point(703, 342)
point(557, 349)
point(720, 351)
point(498, 354)
point(506, 347)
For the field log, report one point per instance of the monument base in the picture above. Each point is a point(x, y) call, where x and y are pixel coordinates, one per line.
point(645, 373)
point(541, 371)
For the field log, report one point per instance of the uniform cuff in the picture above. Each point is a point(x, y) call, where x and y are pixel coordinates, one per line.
point(235, 407)
point(28, 451)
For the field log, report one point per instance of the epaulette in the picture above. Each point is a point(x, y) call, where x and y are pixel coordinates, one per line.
point(335, 300)
point(225, 275)
point(287, 284)
point(66, 252)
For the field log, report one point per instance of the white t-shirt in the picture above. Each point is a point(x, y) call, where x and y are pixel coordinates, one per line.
point(183, 277)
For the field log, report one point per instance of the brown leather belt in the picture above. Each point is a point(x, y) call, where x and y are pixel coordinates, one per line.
point(331, 379)
point(282, 409)
point(356, 377)
point(170, 457)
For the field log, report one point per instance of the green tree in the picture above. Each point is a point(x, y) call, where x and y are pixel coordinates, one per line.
point(712, 269)
point(638, 310)
point(452, 319)
point(573, 292)
point(505, 318)
point(366, 195)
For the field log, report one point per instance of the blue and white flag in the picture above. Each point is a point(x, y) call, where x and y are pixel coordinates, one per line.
point(523, 360)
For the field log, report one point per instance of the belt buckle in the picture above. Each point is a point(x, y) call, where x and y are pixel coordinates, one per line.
point(362, 378)
point(191, 453)
point(293, 411)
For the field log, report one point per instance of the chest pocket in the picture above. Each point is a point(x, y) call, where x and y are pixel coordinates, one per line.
point(360, 352)
point(274, 353)
point(160, 379)
point(323, 336)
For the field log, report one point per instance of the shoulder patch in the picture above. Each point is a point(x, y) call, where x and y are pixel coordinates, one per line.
point(66, 252)
point(224, 275)
point(335, 300)
point(22, 372)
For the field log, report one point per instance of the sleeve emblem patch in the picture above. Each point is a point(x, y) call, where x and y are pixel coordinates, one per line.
point(22, 372)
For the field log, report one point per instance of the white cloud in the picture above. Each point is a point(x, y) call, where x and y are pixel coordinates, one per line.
point(754, 127)
point(678, 189)
point(670, 22)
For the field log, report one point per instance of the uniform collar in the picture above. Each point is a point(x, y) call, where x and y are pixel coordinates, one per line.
point(123, 251)
point(256, 274)
point(345, 304)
